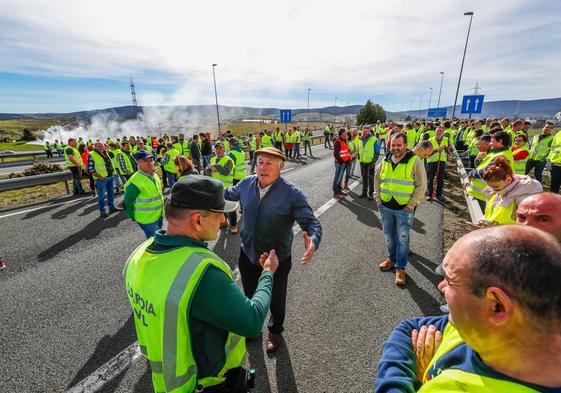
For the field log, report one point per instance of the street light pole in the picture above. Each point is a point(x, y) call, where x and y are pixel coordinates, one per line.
point(470, 14)
point(420, 104)
point(430, 96)
point(440, 91)
point(309, 105)
point(216, 97)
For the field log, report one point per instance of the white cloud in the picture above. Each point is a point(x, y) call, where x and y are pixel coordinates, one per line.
point(268, 52)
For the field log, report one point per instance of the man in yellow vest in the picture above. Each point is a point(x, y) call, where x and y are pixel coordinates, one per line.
point(297, 139)
point(400, 184)
point(101, 168)
point(222, 168)
point(539, 150)
point(73, 161)
point(144, 198)
point(502, 334)
point(168, 165)
point(436, 164)
point(368, 151)
point(554, 160)
point(267, 140)
point(278, 139)
point(240, 172)
point(191, 318)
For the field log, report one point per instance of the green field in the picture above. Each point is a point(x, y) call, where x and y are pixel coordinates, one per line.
point(19, 146)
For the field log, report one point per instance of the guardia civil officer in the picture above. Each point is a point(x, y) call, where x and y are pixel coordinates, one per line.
point(191, 318)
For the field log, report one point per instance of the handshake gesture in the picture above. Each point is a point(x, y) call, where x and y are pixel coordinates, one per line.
point(269, 261)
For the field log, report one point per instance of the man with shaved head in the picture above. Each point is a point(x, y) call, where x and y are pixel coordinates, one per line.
point(503, 333)
point(542, 211)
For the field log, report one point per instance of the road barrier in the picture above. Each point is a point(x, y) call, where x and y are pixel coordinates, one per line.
point(31, 153)
point(37, 180)
point(473, 206)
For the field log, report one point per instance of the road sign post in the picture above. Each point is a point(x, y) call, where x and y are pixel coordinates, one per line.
point(472, 104)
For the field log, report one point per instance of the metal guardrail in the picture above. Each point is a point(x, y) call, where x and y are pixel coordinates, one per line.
point(9, 164)
point(37, 180)
point(473, 206)
point(30, 153)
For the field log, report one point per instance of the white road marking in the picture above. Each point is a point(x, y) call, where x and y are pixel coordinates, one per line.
point(43, 207)
point(287, 169)
point(125, 358)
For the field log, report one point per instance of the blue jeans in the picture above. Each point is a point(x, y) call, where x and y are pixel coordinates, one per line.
point(397, 228)
point(538, 167)
point(326, 141)
point(296, 150)
point(171, 179)
point(307, 145)
point(150, 229)
point(105, 186)
point(206, 161)
point(339, 172)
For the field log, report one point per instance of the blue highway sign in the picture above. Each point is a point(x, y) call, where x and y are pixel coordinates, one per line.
point(285, 115)
point(437, 112)
point(472, 104)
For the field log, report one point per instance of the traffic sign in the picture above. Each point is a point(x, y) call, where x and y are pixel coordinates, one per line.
point(472, 104)
point(437, 112)
point(285, 115)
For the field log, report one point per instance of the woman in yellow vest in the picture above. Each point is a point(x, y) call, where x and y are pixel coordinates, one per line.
point(520, 153)
point(505, 190)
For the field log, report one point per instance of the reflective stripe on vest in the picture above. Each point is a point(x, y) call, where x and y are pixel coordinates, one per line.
point(540, 149)
point(99, 164)
point(240, 167)
point(397, 183)
point(161, 315)
point(169, 166)
point(344, 152)
point(496, 214)
point(149, 205)
point(227, 180)
point(438, 155)
point(76, 155)
point(520, 165)
point(289, 138)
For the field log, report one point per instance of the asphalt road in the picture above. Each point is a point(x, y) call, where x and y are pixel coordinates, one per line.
point(65, 312)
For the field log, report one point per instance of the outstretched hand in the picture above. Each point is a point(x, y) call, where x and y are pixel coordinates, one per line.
point(310, 250)
point(269, 261)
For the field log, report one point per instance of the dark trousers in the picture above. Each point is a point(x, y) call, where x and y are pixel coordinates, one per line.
point(49, 153)
point(164, 178)
point(233, 217)
point(76, 180)
point(326, 142)
point(555, 178)
point(537, 166)
point(432, 169)
point(307, 145)
point(278, 145)
point(367, 173)
point(250, 274)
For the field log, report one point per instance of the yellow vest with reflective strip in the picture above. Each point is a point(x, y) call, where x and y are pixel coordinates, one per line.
point(496, 214)
point(555, 150)
point(436, 155)
point(366, 150)
point(160, 287)
point(540, 149)
point(239, 165)
point(454, 380)
point(397, 183)
point(149, 204)
point(520, 165)
point(99, 164)
point(76, 155)
point(267, 141)
point(411, 135)
point(169, 166)
point(227, 180)
point(289, 138)
point(477, 186)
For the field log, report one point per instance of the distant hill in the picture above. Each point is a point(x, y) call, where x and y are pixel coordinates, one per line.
point(534, 109)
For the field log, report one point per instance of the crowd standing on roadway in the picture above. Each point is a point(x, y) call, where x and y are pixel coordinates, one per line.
point(192, 319)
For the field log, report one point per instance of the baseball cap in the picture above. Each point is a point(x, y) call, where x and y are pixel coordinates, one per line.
point(199, 192)
point(143, 155)
point(272, 152)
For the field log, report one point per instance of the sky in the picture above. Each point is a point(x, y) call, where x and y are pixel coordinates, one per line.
point(64, 56)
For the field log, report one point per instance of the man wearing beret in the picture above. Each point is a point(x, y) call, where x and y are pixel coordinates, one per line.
point(271, 205)
point(191, 318)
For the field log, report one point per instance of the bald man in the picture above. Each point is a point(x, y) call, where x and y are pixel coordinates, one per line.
point(503, 333)
point(542, 211)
